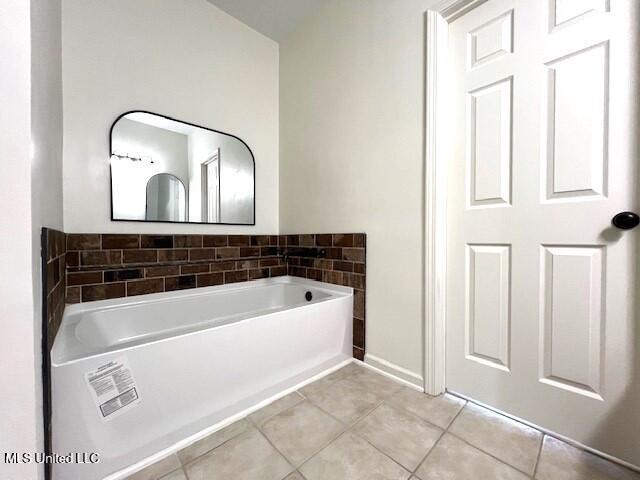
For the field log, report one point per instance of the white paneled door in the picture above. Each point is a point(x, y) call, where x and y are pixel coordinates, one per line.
point(542, 291)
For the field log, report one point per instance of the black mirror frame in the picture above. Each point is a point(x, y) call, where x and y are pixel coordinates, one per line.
point(253, 159)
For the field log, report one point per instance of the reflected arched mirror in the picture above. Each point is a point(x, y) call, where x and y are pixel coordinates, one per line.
point(210, 175)
point(166, 199)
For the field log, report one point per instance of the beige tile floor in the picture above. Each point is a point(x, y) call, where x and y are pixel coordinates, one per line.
point(357, 425)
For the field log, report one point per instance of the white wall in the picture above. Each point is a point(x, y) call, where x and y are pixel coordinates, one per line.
point(351, 156)
point(31, 145)
point(184, 59)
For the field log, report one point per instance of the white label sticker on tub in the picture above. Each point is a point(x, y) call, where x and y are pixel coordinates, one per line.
point(113, 388)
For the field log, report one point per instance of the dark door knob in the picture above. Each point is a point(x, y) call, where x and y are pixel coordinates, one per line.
point(625, 220)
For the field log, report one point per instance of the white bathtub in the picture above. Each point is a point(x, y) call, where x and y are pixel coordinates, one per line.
point(196, 357)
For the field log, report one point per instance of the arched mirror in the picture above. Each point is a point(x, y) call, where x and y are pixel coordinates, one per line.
point(165, 170)
point(166, 199)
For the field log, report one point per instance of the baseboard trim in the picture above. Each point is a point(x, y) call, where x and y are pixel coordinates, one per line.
point(391, 370)
point(551, 433)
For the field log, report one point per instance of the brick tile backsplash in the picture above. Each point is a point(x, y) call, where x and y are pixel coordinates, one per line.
point(101, 266)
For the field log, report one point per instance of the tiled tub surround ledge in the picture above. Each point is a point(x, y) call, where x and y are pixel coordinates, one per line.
point(197, 357)
point(104, 266)
point(354, 424)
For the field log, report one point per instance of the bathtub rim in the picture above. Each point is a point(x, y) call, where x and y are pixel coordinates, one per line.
point(59, 357)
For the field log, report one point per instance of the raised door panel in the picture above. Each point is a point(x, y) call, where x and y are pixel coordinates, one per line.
point(563, 12)
point(489, 137)
point(576, 127)
point(488, 314)
point(491, 40)
point(572, 318)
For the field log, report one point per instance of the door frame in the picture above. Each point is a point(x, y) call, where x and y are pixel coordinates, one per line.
point(436, 157)
point(204, 181)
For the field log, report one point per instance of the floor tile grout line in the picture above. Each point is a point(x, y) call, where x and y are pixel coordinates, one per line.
point(444, 432)
point(193, 460)
point(468, 402)
point(424, 459)
point(489, 454)
point(293, 467)
point(302, 399)
point(535, 469)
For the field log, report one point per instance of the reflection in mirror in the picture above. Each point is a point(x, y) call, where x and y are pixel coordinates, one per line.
point(164, 170)
point(166, 199)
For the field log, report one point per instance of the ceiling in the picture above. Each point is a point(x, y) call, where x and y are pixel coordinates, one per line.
point(273, 18)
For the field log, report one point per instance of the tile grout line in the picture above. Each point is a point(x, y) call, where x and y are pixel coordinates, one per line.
point(444, 432)
point(535, 469)
point(489, 454)
point(296, 467)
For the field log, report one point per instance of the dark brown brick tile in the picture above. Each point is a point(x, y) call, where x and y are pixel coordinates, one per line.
point(323, 264)
point(343, 240)
point(53, 272)
point(307, 240)
point(83, 278)
point(156, 241)
point(100, 257)
point(175, 255)
point(246, 264)
point(202, 254)
point(358, 333)
point(278, 271)
point(83, 241)
point(179, 283)
point(72, 259)
point(258, 273)
point(116, 241)
point(329, 276)
point(120, 275)
point(229, 252)
point(73, 295)
point(293, 240)
point(56, 243)
point(236, 276)
point(358, 353)
point(353, 280)
point(142, 287)
point(270, 262)
point(298, 272)
point(215, 241)
point(268, 251)
point(164, 271)
point(359, 240)
point(343, 266)
point(210, 279)
point(353, 254)
point(223, 266)
point(359, 268)
point(358, 304)
point(314, 274)
point(91, 293)
point(334, 253)
point(239, 240)
point(201, 268)
point(140, 256)
point(187, 241)
point(250, 251)
point(282, 240)
point(260, 240)
point(324, 239)
point(307, 262)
